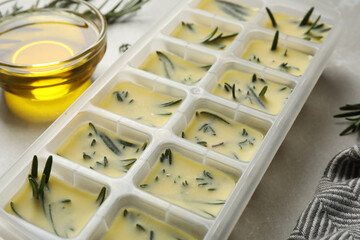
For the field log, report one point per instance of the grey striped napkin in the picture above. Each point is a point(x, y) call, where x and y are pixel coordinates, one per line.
point(334, 213)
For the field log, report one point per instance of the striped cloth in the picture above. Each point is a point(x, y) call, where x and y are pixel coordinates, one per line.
point(334, 213)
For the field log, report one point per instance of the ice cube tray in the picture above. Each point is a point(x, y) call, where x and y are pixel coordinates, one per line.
point(125, 191)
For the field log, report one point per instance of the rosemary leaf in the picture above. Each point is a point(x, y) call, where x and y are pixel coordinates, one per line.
point(34, 167)
point(253, 79)
point(215, 116)
point(151, 235)
point(306, 18)
point(250, 90)
point(263, 91)
point(189, 26)
point(52, 220)
point(271, 16)
point(132, 6)
point(34, 186)
point(171, 103)
point(275, 41)
point(47, 169)
point(42, 185)
point(124, 47)
point(15, 211)
point(126, 143)
point(91, 125)
point(109, 143)
point(312, 26)
point(101, 197)
point(207, 38)
point(140, 227)
point(166, 62)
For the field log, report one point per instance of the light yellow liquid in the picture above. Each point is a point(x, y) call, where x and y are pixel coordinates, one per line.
point(193, 186)
point(290, 25)
point(140, 104)
point(198, 34)
point(36, 39)
point(175, 68)
point(294, 62)
point(132, 224)
point(88, 148)
point(68, 218)
point(231, 9)
point(248, 88)
point(231, 138)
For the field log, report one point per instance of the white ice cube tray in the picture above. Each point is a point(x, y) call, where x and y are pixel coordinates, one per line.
point(124, 191)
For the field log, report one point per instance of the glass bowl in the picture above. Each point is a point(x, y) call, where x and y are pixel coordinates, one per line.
point(48, 52)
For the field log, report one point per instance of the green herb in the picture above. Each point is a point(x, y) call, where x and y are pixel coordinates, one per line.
point(140, 227)
point(93, 143)
point(101, 197)
point(285, 53)
point(253, 79)
point(92, 127)
point(285, 67)
point(120, 96)
point(207, 174)
point(129, 161)
point(263, 91)
point(12, 205)
point(211, 215)
point(306, 18)
point(250, 90)
point(47, 169)
point(171, 103)
point(206, 67)
point(185, 183)
point(125, 212)
point(34, 167)
point(313, 25)
point(167, 156)
point(65, 201)
point(271, 16)
point(211, 38)
point(244, 132)
point(233, 91)
point(275, 41)
point(126, 143)
point(52, 221)
point(34, 186)
point(166, 63)
point(236, 11)
point(215, 116)
point(164, 114)
point(144, 185)
point(188, 26)
point(202, 143)
point(352, 115)
point(151, 235)
point(115, 13)
point(282, 89)
point(143, 147)
point(211, 189)
point(124, 47)
point(109, 143)
point(182, 135)
point(86, 156)
point(206, 127)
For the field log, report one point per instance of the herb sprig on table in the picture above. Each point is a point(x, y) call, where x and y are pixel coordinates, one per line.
point(352, 114)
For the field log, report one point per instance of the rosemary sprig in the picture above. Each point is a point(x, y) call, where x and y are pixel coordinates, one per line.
point(271, 16)
point(250, 90)
point(313, 25)
point(109, 143)
point(306, 18)
point(115, 13)
point(352, 115)
point(275, 41)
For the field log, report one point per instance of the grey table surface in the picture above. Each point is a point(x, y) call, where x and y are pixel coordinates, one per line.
point(291, 179)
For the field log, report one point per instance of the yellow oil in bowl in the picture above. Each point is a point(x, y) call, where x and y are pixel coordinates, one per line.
point(47, 56)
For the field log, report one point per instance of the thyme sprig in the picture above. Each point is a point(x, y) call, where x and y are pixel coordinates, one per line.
point(352, 115)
